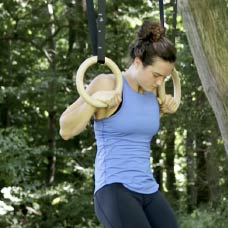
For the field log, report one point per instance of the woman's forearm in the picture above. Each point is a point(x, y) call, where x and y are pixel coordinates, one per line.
point(74, 120)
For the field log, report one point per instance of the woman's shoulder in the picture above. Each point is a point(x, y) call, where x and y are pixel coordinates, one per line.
point(104, 82)
point(101, 82)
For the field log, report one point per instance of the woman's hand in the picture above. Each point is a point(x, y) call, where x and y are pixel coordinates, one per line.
point(169, 105)
point(111, 98)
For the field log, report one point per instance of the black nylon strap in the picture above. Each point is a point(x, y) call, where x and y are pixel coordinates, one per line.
point(97, 29)
point(174, 21)
point(161, 9)
point(101, 31)
point(92, 24)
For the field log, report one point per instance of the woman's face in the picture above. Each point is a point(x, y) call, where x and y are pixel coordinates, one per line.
point(152, 76)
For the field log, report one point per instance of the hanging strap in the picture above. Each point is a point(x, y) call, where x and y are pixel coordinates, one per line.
point(101, 31)
point(92, 25)
point(97, 29)
point(174, 21)
point(161, 9)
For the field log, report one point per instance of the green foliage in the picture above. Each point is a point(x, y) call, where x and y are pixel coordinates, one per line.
point(16, 164)
point(206, 217)
point(58, 206)
point(37, 84)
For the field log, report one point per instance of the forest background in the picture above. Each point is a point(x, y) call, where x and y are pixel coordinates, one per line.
point(48, 182)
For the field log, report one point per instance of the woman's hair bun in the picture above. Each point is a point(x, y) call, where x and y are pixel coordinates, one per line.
point(150, 31)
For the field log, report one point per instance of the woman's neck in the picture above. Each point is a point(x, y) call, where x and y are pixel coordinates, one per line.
point(131, 79)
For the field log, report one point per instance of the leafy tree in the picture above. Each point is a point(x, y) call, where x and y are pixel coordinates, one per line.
point(48, 182)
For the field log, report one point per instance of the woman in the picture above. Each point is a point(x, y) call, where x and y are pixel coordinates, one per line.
point(126, 194)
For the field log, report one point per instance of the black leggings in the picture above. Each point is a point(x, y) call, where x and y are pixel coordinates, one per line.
point(119, 207)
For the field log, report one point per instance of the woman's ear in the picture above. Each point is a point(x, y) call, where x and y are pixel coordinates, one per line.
point(137, 62)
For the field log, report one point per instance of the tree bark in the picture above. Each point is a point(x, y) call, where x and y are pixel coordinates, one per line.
point(190, 173)
point(201, 170)
point(77, 31)
point(5, 103)
point(206, 25)
point(169, 163)
point(157, 168)
point(51, 98)
point(213, 177)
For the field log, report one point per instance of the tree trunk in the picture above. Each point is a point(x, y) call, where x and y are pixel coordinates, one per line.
point(206, 25)
point(213, 177)
point(5, 103)
point(201, 170)
point(157, 168)
point(51, 98)
point(4, 114)
point(77, 31)
point(170, 156)
point(190, 170)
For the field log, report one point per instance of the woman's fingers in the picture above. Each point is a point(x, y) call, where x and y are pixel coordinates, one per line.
point(159, 100)
point(169, 106)
point(111, 98)
point(115, 100)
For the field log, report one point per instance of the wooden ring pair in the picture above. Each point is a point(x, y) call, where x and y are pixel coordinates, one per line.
point(119, 83)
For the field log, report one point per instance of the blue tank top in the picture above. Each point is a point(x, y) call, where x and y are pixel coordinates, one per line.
point(123, 143)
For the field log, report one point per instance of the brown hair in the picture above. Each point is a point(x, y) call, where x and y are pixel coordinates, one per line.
point(151, 43)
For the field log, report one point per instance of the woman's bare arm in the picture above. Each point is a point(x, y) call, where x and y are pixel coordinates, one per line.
point(76, 117)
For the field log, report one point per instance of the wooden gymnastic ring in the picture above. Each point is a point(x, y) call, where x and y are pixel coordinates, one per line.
point(176, 90)
point(80, 77)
